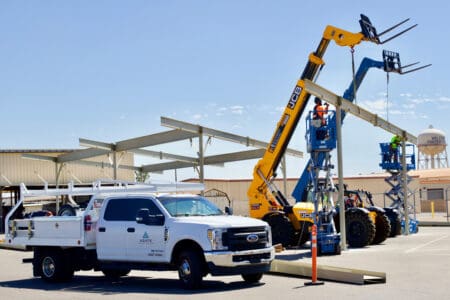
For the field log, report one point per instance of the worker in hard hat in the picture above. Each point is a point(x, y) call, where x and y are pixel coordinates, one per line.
point(320, 111)
point(393, 148)
point(319, 120)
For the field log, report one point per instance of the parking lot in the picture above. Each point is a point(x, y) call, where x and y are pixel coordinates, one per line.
point(417, 267)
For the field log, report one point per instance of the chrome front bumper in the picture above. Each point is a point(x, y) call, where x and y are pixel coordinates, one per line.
point(240, 258)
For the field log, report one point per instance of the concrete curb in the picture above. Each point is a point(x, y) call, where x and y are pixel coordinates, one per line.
point(433, 223)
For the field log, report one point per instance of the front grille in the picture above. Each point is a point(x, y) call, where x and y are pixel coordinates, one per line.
point(237, 239)
point(253, 258)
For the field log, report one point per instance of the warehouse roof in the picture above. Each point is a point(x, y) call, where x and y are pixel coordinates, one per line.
point(37, 150)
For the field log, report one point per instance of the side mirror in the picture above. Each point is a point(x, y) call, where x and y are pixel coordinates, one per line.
point(157, 220)
point(228, 210)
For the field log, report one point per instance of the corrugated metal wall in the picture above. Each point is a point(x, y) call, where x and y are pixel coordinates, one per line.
point(237, 189)
point(17, 169)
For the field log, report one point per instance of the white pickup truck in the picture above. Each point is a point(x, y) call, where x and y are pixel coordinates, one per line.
point(137, 227)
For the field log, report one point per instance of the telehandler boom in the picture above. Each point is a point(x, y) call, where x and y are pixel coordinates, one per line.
point(265, 200)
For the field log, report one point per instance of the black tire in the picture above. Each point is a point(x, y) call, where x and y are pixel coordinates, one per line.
point(304, 235)
point(55, 266)
point(115, 274)
point(190, 269)
point(395, 221)
point(282, 230)
point(360, 228)
point(398, 227)
point(301, 237)
point(383, 228)
point(252, 278)
point(67, 210)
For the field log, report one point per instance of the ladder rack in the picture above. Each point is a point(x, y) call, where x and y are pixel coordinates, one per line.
point(111, 186)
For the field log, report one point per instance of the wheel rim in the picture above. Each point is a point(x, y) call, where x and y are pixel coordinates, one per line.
point(185, 270)
point(66, 213)
point(48, 266)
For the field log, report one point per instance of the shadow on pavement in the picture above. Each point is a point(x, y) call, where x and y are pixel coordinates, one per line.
point(131, 284)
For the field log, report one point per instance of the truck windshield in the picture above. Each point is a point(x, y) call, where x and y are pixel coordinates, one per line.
point(189, 206)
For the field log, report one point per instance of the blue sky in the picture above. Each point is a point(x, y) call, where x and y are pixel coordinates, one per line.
point(107, 71)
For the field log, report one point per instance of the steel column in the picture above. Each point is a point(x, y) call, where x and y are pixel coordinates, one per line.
point(201, 156)
point(340, 176)
point(405, 183)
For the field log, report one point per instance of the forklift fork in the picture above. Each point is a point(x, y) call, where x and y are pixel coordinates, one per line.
point(370, 32)
point(392, 63)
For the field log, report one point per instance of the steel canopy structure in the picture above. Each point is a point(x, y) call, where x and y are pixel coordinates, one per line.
point(182, 131)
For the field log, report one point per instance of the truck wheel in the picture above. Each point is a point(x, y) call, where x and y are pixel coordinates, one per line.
point(190, 269)
point(66, 210)
point(115, 274)
point(360, 228)
point(54, 267)
point(252, 278)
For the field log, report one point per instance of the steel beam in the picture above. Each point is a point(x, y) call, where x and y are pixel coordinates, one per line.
point(105, 165)
point(167, 166)
point(222, 135)
point(337, 274)
point(164, 155)
point(154, 139)
point(235, 156)
point(81, 154)
point(356, 110)
point(80, 162)
point(144, 152)
point(39, 157)
point(96, 144)
point(217, 160)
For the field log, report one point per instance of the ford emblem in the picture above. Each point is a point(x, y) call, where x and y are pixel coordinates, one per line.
point(252, 238)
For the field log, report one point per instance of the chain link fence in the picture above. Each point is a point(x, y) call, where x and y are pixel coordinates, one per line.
point(424, 209)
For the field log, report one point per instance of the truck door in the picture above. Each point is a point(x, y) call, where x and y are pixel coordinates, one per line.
point(145, 242)
point(112, 230)
point(120, 237)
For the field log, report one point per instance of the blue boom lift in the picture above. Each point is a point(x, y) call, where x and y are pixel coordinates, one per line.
point(320, 160)
point(321, 140)
point(390, 64)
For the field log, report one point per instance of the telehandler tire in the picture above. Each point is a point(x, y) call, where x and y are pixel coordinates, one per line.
point(394, 219)
point(282, 229)
point(360, 228)
point(383, 228)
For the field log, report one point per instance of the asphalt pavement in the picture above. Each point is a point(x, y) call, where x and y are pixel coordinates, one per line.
point(417, 267)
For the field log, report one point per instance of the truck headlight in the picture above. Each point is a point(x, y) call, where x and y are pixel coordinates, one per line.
point(215, 238)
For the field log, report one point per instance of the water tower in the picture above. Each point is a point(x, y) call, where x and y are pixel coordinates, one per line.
point(432, 149)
